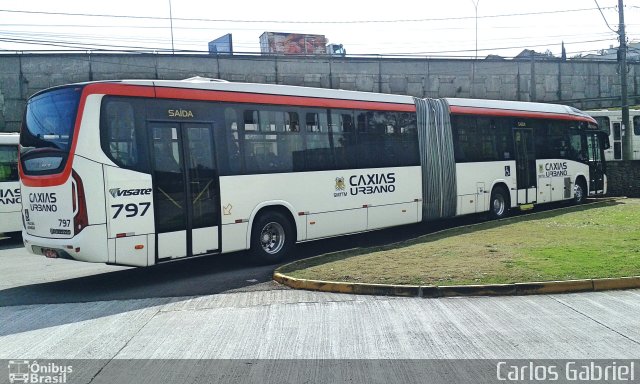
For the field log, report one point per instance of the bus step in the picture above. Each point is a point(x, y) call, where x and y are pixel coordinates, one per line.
point(526, 207)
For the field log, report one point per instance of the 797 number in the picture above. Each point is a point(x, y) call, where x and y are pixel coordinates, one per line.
point(131, 209)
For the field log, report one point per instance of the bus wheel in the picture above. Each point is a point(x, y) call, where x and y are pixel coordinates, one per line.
point(579, 192)
point(271, 238)
point(499, 203)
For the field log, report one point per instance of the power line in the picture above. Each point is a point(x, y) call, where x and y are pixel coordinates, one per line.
point(605, 19)
point(84, 47)
point(304, 22)
point(79, 46)
point(498, 48)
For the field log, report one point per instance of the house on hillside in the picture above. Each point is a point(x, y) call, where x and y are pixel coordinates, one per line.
point(633, 53)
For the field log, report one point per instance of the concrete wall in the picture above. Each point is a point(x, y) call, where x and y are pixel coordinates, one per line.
point(578, 83)
point(583, 84)
point(623, 178)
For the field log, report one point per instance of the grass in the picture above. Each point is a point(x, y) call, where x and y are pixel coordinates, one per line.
point(592, 241)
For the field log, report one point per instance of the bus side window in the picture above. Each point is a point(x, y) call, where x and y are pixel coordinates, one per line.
point(636, 125)
point(272, 141)
point(318, 155)
point(123, 133)
point(290, 142)
point(407, 144)
point(254, 146)
point(464, 131)
point(231, 164)
point(343, 139)
point(8, 163)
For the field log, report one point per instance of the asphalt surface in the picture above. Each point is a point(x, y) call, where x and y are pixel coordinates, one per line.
point(224, 308)
point(28, 279)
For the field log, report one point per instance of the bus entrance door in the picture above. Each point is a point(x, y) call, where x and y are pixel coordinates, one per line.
point(596, 163)
point(185, 190)
point(525, 165)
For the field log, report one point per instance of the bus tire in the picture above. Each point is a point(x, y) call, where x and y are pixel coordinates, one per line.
point(579, 191)
point(499, 203)
point(272, 237)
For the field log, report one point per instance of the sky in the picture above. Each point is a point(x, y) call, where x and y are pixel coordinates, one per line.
point(425, 28)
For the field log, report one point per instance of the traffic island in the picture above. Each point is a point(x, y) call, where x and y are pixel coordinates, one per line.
point(584, 248)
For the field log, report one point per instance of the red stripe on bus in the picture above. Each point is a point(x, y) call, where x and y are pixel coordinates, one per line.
point(120, 89)
point(259, 98)
point(515, 113)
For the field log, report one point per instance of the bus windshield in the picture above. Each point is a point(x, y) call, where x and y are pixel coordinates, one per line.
point(48, 127)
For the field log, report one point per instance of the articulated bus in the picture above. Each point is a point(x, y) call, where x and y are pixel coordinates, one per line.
point(140, 172)
point(610, 121)
point(10, 205)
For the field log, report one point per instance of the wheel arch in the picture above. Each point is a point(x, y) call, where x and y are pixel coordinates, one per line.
point(583, 177)
point(500, 183)
point(279, 206)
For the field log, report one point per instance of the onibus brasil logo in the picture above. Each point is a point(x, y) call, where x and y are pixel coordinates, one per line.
point(25, 371)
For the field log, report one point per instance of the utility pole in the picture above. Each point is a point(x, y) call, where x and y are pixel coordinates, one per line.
point(622, 60)
point(475, 5)
point(475, 61)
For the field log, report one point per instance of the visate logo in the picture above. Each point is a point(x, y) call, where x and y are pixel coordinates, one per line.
point(116, 192)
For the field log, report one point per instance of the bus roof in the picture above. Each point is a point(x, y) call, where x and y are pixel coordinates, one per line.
point(201, 83)
point(517, 106)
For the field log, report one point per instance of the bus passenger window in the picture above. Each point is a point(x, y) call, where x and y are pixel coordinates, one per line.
point(121, 140)
point(290, 143)
point(464, 131)
point(229, 158)
point(343, 139)
point(274, 146)
point(8, 163)
point(318, 155)
point(636, 125)
point(250, 120)
point(292, 122)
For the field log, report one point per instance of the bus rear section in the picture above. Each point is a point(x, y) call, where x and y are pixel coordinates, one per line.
point(54, 191)
point(10, 221)
point(117, 194)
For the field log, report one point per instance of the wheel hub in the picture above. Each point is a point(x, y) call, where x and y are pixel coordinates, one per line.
point(272, 238)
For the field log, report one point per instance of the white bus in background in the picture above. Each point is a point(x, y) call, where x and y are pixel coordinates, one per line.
point(10, 202)
point(610, 121)
point(140, 172)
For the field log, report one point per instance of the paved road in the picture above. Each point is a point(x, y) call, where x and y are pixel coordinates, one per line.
point(222, 308)
point(27, 279)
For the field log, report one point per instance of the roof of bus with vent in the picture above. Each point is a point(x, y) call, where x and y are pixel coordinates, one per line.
point(202, 83)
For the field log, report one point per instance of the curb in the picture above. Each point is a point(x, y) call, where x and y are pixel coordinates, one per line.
point(433, 291)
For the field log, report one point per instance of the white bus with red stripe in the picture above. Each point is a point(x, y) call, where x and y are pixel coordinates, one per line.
point(10, 222)
point(140, 172)
point(610, 121)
